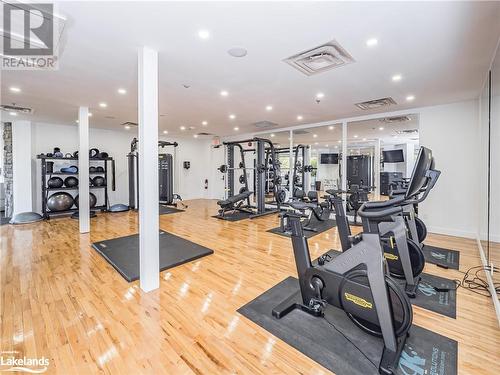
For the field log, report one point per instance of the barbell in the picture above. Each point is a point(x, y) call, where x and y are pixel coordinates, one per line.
point(224, 168)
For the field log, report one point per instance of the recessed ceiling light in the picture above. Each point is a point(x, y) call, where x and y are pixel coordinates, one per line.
point(316, 143)
point(195, 136)
point(315, 136)
point(326, 145)
point(272, 134)
point(299, 117)
point(331, 127)
point(15, 89)
point(269, 108)
point(127, 127)
point(410, 98)
point(13, 113)
point(364, 139)
point(165, 132)
point(339, 141)
point(224, 93)
point(355, 136)
point(90, 114)
point(122, 91)
point(236, 128)
point(237, 52)
point(204, 123)
point(371, 42)
point(320, 95)
point(103, 105)
point(77, 121)
point(397, 77)
point(204, 34)
point(232, 117)
point(182, 127)
point(381, 128)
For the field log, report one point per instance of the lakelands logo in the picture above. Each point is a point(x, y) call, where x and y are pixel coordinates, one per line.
point(29, 36)
point(10, 362)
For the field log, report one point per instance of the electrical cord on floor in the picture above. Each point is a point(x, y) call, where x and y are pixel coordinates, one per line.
point(352, 343)
point(475, 283)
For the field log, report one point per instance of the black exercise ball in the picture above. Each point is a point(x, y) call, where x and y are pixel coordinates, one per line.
point(98, 181)
point(92, 169)
point(71, 181)
point(100, 169)
point(92, 200)
point(60, 201)
point(55, 182)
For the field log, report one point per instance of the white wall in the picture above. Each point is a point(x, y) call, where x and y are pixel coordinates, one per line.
point(188, 183)
point(451, 131)
point(22, 181)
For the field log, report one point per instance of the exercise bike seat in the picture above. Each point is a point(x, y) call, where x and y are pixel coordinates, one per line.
point(302, 205)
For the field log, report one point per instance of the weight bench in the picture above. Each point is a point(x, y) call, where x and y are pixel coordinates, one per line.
point(318, 213)
point(233, 203)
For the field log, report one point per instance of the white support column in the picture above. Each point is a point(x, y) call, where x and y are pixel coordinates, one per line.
point(83, 170)
point(376, 169)
point(290, 162)
point(148, 169)
point(344, 161)
point(21, 167)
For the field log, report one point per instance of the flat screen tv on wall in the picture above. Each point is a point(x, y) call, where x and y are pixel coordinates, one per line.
point(393, 156)
point(329, 159)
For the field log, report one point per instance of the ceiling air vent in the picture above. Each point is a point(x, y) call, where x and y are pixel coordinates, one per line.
point(202, 134)
point(264, 124)
point(300, 132)
point(392, 119)
point(130, 123)
point(407, 131)
point(15, 108)
point(375, 104)
point(319, 59)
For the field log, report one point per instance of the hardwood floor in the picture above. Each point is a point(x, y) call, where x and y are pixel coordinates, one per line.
point(60, 299)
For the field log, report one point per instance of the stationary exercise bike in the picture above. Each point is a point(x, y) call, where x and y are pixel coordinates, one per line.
point(355, 282)
point(399, 237)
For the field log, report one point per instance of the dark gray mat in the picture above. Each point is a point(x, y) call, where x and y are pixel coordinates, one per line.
point(123, 253)
point(427, 297)
point(4, 220)
point(235, 216)
point(320, 226)
point(425, 352)
point(445, 257)
point(168, 210)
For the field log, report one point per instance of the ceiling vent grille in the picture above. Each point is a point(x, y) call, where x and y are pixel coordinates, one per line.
point(130, 123)
point(300, 132)
point(392, 119)
point(264, 124)
point(320, 59)
point(375, 104)
point(204, 134)
point(407, 131)
point(15, 108)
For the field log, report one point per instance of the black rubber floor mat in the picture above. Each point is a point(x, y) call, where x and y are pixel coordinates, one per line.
point(443, 302)
point(123, 253)
point(320, 228)
point(440, 256)
point(168, 210)
point(4, 220)
point(235, 216)
point(337, 344)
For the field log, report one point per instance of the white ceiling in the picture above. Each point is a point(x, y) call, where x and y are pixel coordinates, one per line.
point(442, 49)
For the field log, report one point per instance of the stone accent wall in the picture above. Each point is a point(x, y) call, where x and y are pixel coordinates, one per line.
point(7, 168)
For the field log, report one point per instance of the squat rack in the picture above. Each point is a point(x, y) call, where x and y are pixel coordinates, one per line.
point(260, 169)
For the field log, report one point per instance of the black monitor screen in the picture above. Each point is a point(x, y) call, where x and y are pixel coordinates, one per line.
point(329, 158)
point(393, 156)
point(418, 180)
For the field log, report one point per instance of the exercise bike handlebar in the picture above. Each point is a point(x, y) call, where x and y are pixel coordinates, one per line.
point(378, 213)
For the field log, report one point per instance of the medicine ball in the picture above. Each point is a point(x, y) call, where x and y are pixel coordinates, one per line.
point(100, 169)
point(93, 153)
point(60, 201)
point(75, 154)
point(103, 155)
point(55, 182)
point(92, 169)
point(71, 181)
point(92, 200)
point(98, 181)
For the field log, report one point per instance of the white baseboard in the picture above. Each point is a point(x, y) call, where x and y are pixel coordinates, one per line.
point(452, 232)
point(496, 302)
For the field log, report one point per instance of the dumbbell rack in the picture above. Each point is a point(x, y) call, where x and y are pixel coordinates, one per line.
point(46, 190)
